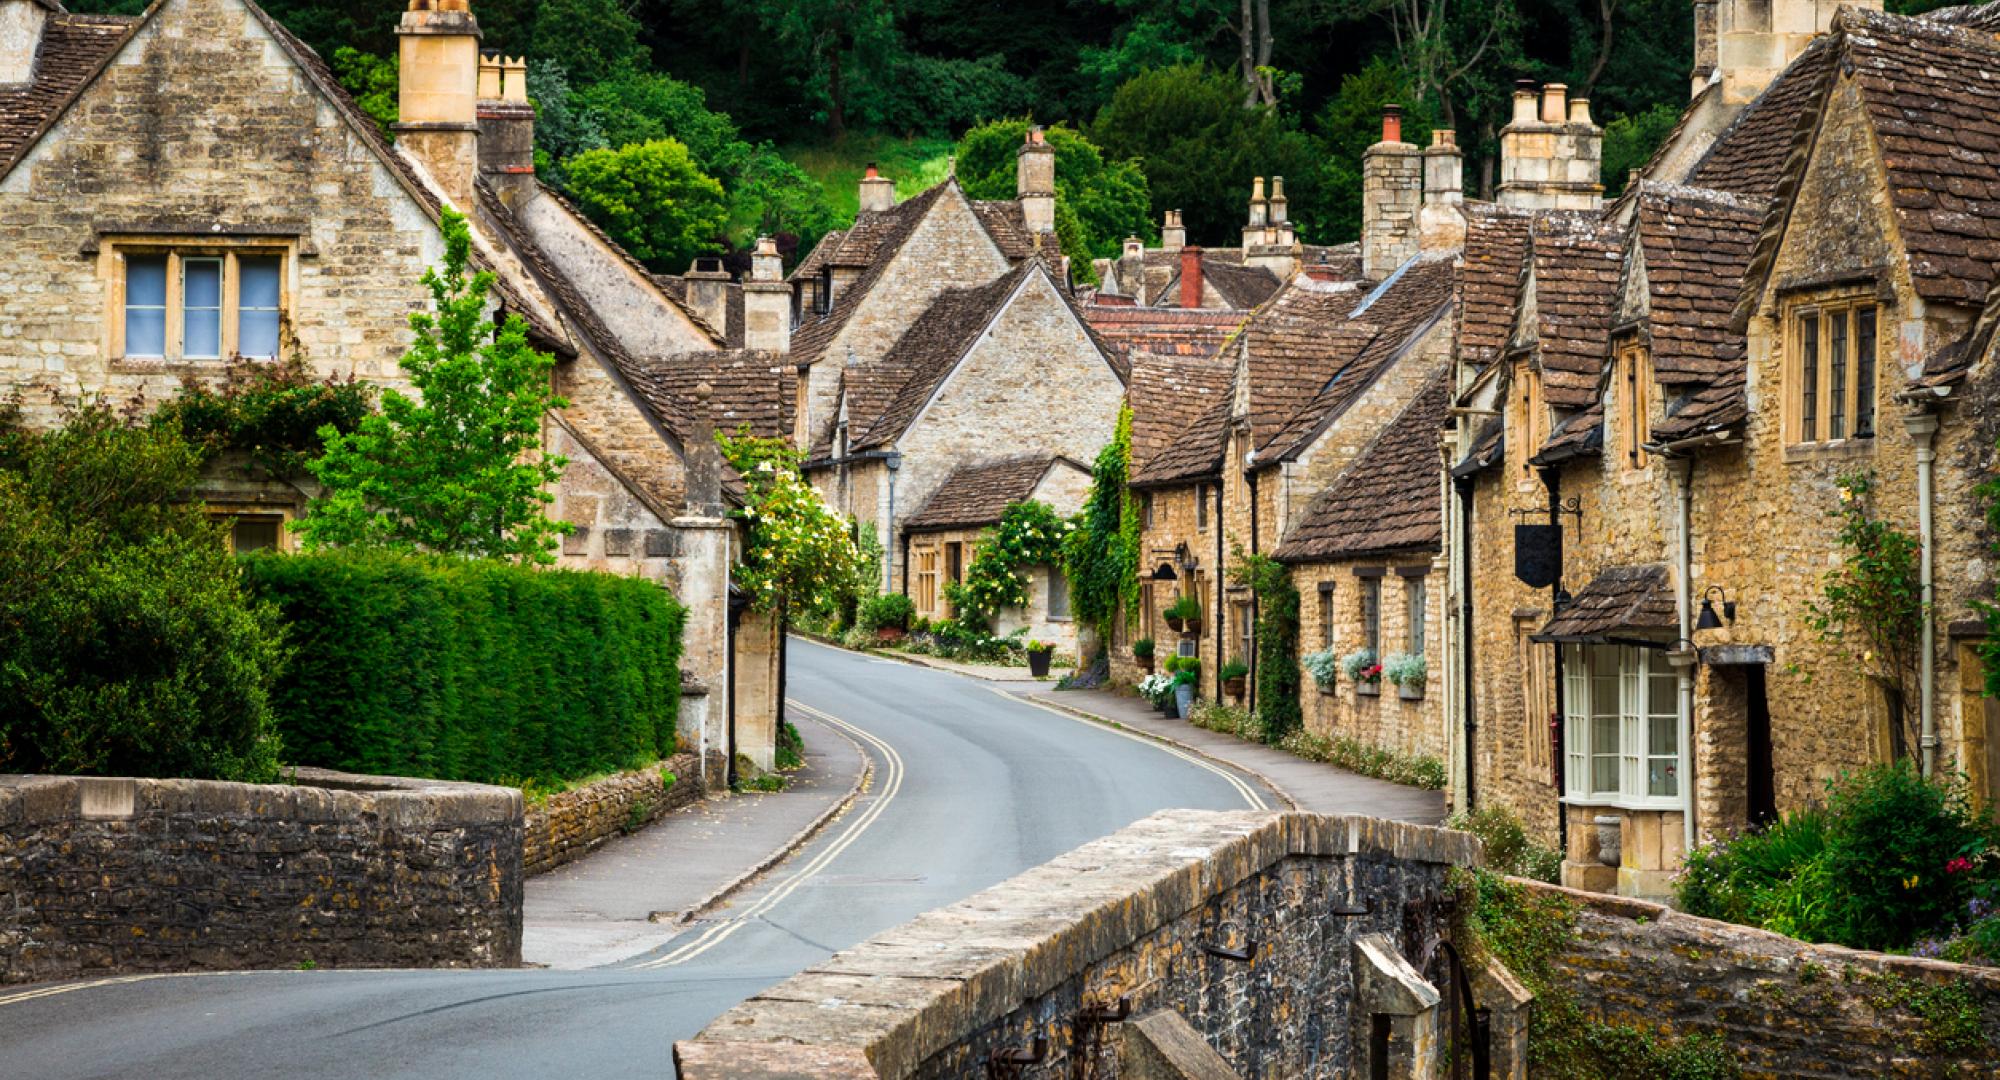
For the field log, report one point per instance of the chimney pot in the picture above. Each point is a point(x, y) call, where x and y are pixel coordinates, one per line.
point(1173, 236)
point(1191, 275)
point(1444, 139)
point(1579, 111)
point(872, 174)
point(1524, 102)
point(878, 192)
point(1554, 111)
point(1392, 123)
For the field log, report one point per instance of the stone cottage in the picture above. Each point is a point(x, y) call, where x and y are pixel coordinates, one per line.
point(1797, 291)
point(190, 188)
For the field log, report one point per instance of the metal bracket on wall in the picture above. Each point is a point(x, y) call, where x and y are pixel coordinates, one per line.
point(1573, 506)
point(1009, 1063)
point(1240, 956)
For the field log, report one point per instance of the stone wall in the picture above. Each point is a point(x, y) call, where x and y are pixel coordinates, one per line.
point(571, 824)
point(1406, 721)
point(100, 876)
point(1171, 521)
point(1246, 924)
point(1783, 1007)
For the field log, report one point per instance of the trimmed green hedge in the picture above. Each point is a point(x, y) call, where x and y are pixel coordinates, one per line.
point(470, 670)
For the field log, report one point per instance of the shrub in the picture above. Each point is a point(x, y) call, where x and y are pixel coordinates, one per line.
point(1406, 669)
point(472, 670)
point(1509, 850)
point(128, 645)
point(1185, 606)
point(1417, 770)
point(1323, 666)
point(888, 611)
point(1235, 669)
point(1142, 648)
point(271, 412)
point(1360, 666)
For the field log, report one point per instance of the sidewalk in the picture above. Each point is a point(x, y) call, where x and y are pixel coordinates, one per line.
point(1000, 673)
point(631, 895)
point(1311, 785)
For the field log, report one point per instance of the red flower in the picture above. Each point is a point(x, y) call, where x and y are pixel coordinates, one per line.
point(1958, 866)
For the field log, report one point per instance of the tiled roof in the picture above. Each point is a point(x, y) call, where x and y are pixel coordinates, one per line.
point(1576, 261)
point(73, 48)
point(1696, 247)
point(748, 387)
point(1496, 250)
point(1709, 407)
point(884, 396)
point(821, 256)
point(1580, 433)
point(1372, 337)
point(1488, 446)
point(1294, 347)
point(979, 494)
point(1241, 287)
point(1132, 330)
point(1619, 600)
point(1388, 499)
point(1749, 157)
point(1004, 223)
point(1171, 396)
point(1193, 457)
point(871, 243)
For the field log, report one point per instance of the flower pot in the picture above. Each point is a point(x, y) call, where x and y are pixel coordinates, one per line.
point(1176, 623)
point(1410, 691)
point(888, 635)
point(1145, 663)
point(1368, 689)
point(1233, 686)
point(1038, 662)
point(1184, 698)
point(1170, 707)
point(1162, 705)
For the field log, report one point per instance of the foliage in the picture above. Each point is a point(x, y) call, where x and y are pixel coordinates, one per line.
point(1142, 648)
point(1228, 720)
point(652, 199)
point(1893, 858)
point(563, 127)
point(1186, 670)
point(457, 469)
point(1101, 561)
point(1184, 607)
point(1029, 534)
point(502, 672)
point(799, 553)
point(892, 611)
point(1417, 770)
point(1360, 666)
point(1351, 123)
point(1108, 199)
point(272, 412)
point(127, 643)
point(1872, 604)
point(968, 642)
point(1509, 849)
point(594, 39)
point(1199, 147)
point(371, 80)
point(1323, 666)
point(1234, 669)
point(1405, 669)
point(1630, 141)
point(1156, 688)
point(791, 748)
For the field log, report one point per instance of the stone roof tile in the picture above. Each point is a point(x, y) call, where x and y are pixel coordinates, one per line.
point(1388, 499)
point(73, 49)
point(1576, 262)
point(1173, 399)
point(748, 387)
point(1619, 600)
point(979, 494)
point(1496, 251)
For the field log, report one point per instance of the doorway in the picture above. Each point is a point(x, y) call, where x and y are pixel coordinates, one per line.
point(1762, 792)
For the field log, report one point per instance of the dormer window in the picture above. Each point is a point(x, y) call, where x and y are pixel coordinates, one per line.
point(1634, 402)
point(172, 303)
point(1530, 422)
point(1830, 370)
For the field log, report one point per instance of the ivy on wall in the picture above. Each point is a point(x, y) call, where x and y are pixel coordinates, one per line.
point(1029, 534)
point(1102, 552)
point(1277, 642)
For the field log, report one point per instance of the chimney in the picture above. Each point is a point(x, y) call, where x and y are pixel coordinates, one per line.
point(708, 291)
point(1551, 156)
point(1035, 182)
point(1256, 230)
point(1173, 236)
point(767, 301)
point(704, 458)
point(1757, 39)
point(437, 92)
point(1132, 269)
point(878, 192)
point(1704, 45)
point(21, 23)
point(1281, 220)
point(1392, 191)
point(1441, 223)
point(506, 128)
point(1191, 277)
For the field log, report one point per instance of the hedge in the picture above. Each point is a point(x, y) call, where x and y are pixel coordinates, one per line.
point(471, 670)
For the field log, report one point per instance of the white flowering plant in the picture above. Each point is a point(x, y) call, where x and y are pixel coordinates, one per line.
point(799, 552)
point(1323, 666)
point(1155, 688)
point(1405, 669)
point(1029, 534)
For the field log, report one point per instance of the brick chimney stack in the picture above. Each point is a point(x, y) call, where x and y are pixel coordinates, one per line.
point(506, 128)
point(1173, 235)
point(437, 93)
point(878, 192)
point(1035, 182)
point(1550, 153)
point(1392, 191)
point(708, 291)
point(767, 301)
point(21, 23)
point(1441, 222)
point(1191, 285)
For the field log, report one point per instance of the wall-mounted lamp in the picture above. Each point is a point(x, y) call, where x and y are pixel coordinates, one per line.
point(1708, 620)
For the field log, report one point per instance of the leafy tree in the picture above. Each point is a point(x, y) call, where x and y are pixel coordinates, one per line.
point(592, 39)
point(1349, 125)
point(1629, 142)
point(458, 470)
point(800, 554)
point(641, 106)
point(1107, 201)
point(828, 45)
point(1100, 558)
point(372, 81)
point(563, 127)
point(1188, 130)
point(1872, 604)
point(127, 644)
point(651, 198)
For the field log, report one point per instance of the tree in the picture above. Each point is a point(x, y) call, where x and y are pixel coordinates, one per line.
point(1629, 143)
point(1108, 199)
point(127, 643)
point(1872, 605)
point(563, 127)
point(458, 470)
point(652, 199)
point(800, 554)
point(592, 39)
point(1101, 556)
point(372, 81)
point(1348, 126)
point(1199, 147)
point(830, 43)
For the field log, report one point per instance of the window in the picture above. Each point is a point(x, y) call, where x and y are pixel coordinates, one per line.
point(1832, 371)
point(1246, 632)
point(253, 530)
point(1146, 508)
point(924, 581)
point(1146, 623)
point(1371, 614)
point(1531, 420)
point(1326, 615)
point(1538, 709)
point(197, 305)
point(1621, 726)
point(1058, 594)
point(1201, 506)
point(1414, 605)
point(1634, 418)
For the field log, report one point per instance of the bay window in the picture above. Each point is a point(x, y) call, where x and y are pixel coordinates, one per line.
point(1621, 727)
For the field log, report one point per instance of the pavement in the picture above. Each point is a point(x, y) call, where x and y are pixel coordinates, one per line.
point(970, 786)
point(1307, 785)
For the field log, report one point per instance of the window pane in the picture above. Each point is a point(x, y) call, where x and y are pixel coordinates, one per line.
point(257, 333)
point(203, 332)
point(202, 281)
point(1864, 372)
point(145, 331)
point(201, 307)
point(1663, 692)
point(146, 305)
point(1660, 777)
point(1413, 590)
point(1837, 360)
point(1604, 763)
point(1371, 613)
point(258, 284)
point(1809, 377)
point(1058, 594)
point(254, 534)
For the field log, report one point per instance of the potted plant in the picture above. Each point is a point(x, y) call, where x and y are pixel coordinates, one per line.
point(1039, 654)
point(1364, 669)
point(890, 614)
point(1186, 681)
point(1232, 675)
point(1408, 672)
point(1158, 690)
point(1142, 651)
point(1324, 667)
point(1184, 614)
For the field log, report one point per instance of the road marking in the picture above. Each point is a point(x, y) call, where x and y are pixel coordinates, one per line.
point(720, 932)
point(1249, 793)
point(93, 984)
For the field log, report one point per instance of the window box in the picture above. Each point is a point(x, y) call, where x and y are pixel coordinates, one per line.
point(1372, 688)
point(1410, 691)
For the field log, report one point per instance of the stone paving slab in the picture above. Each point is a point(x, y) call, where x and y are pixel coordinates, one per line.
point(1309, 785)
point(632, 895)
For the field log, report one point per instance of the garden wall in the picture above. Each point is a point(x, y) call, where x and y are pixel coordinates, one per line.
point(572, 824)
point(101, 875)
point(1250, 926)
point(1784, 1007)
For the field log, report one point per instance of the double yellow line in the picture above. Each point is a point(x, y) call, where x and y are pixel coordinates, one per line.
point(1249, 793)
point(720, 932)
point(20, 996)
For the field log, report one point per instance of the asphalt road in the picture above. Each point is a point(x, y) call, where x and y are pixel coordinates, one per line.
point(971, 787)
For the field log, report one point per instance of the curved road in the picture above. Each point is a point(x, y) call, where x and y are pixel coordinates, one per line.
point(971, 787)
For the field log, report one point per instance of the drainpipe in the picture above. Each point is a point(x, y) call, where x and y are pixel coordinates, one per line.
point(1684, 667)
point(1220, 623)
point(1923, 427)
point(1249, 661)
point(1470, 719)
point(1552, 481)
point(894, 462)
